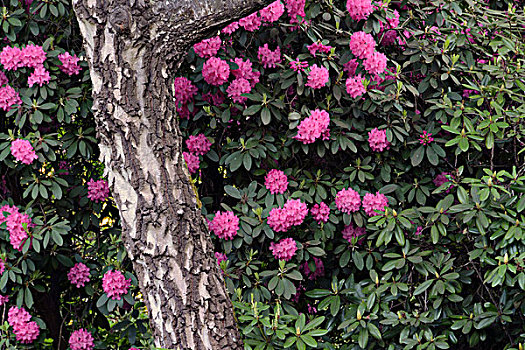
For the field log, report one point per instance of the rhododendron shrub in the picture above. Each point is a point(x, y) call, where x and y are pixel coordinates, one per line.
point(360, 165)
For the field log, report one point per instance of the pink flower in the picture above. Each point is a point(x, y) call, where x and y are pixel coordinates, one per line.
point(9, 97)
point(198, 144)
point(419, 230)
point(245, 71)
point(362, 45)
point(23, 151)
point(15, 225)
point(115, 285)
point(291, 214)
point(184, 90)
point(238, 87)
point(17, 316)
point(269, 58)
point(426, 138)
point(313, 48)
point(231, 28)
point(4, 299)
point(40, 76)
point(272, 12)
point(251, 23)
point(354, 86)
point(192, 161)
point(27, 332)
point(3, 79)
point(220, 257)
point(318, 77)
point(372, 202)
point(376, 63)
point(295, 8)
point(394, 21)
point(78, 275)
point(313, 127)
point(33, 56)
point(98, 190)
point(11, 58)
point(81, 340)
point(350, 232)
point(377, 140)
point(8, 209)
point(347, 201)
point(298, 65)
point(285, 249)
point(443, 178)
point(359, 9)
point(276, 181)
point(2, 263)
point(319, 269)
point(208, 47)
point(225, 225)
point(350, 67)
point(69, 63)
point(320, 212)
point(215, 71)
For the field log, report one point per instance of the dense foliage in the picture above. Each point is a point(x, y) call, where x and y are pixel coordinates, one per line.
point(353, 204)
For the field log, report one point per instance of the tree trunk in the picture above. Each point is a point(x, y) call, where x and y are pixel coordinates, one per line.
point(134, 48)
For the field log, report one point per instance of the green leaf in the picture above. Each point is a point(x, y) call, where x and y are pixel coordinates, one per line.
point(423, 287)
point(374, 331)
point(416, 155)
point(266, 116)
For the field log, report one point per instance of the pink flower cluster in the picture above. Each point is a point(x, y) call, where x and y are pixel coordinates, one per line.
point(377, 140)
point(373, 202)
point(39, 76)
point(2, 263)
point(313, 127)
point(276, 181)
point(362, 44)
point(348, 201)
point(215, 71)
point(238, 87)
point(295, 8)
point(269, 58)
point(23, 151)
point(317, 46)
point(350, 232)
point(298, 65)
point(251, 23)
point(318, 77)
point(442, 179)
point(98, 191)
point(291, 214)
point(319, 269)
point(4, 299)
point(15, 225)
point(208, 47)
point(199, 144)
point(272, 12)
point(359, 9)
point(220, 257)
point(31, 56)
point(350, 67)
point(9, 97)
point(115, 285)
point(320, 212)
point(225, 225)
point(69, 63)
point(3, 79)
point(246, 71)
point(355, 86)
point(192, 161)
point(78, 275)
point(425, 138)
point(184, 90)
point(81, 340)
point(26, 331)
point(231, 28)
point(285, 249)
point(375, 63)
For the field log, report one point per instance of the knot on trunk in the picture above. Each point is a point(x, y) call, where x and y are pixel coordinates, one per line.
point(120, 19)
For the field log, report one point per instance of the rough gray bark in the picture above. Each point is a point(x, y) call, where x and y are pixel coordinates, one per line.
point(134, 48)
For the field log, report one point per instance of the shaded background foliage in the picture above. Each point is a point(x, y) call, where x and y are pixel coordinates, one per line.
point(441, 268)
